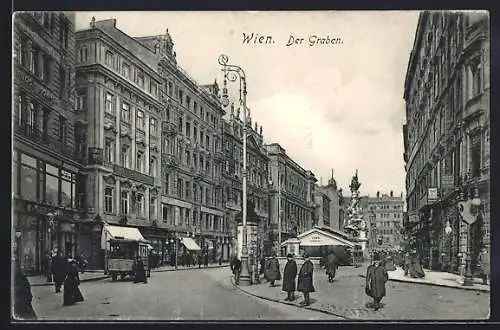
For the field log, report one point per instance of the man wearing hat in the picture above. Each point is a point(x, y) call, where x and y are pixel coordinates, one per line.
point(289, 274)
point(305, 283)
point(376, 276)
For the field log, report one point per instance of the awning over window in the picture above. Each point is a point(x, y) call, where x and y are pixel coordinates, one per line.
point(109, 232)
point(190, 244)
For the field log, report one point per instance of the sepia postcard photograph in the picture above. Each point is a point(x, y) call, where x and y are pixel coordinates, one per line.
point(250, 166)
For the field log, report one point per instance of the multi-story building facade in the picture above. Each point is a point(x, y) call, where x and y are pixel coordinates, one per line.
point(384, 216)
point(118, 115)
point(292, 196)
point(447, 136)
point(44, 169)
point(191, 154)
point(257, 176)
point(330, 205)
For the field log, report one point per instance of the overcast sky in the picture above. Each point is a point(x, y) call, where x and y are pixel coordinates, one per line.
point(330, 106)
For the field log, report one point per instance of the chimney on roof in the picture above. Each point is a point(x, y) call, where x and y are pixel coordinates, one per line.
point(392, 193)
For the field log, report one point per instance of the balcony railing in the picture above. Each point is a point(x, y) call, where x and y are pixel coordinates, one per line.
point(132, 174)
point(46, 140)
point(170, 160)
point(169, 128)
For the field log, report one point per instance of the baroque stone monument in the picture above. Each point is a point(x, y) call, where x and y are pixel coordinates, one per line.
point(356, 225)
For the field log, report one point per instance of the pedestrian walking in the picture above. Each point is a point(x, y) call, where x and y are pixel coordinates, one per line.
point(305, 280)
point(331, 266)
point(72, 293)
point(376, 276)
point(22, 296)
point(484, 262)
point(262, 266)
point(205, 259)
point(200, 260)
point(416, 270)
point(58, 269)
point(150, 263)
point(140, 272)
point(407, 263)
point(289, 275)
point(236, 269)
point(46, 271)
point(273, 272)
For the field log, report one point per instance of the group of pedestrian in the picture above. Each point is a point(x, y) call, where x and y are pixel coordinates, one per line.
point(305, 277)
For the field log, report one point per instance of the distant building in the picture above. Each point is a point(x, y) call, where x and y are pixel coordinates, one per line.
point(447, 137)
point(292, 196)
point(46, 187)
point(329, 201)
point(384, 216)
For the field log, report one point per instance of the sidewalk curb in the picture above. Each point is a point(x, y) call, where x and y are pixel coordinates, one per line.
point(103, 277)
point(437, 284)
point(284, 303)
point(188, 268)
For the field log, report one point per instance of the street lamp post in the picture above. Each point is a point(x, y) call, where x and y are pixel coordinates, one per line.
point(232, 73)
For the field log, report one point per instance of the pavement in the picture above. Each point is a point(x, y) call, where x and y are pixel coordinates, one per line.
point(437, 279)
point(96, 275)
point(201, 295)
point(407, 300)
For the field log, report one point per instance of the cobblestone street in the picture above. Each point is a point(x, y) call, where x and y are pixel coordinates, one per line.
point(345, 297)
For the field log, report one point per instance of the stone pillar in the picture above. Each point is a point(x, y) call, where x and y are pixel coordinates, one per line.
point(146, 205)
point(118, 135)
point(133, 156)
point(146, 139)
point(118, 197)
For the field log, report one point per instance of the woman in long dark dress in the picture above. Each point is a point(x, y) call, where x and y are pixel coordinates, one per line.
point(22, 296)
point(140, 272)
point(72, 292)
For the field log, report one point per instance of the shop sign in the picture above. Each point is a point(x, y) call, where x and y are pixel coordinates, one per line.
point(432, 195)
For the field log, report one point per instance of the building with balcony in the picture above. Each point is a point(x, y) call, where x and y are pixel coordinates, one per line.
point(191, 153)
point(292, 196)
point(384, 216)
point(257, 177)
point(118, 115)
point(44, 169)
point(329, 205)
point(447, 136)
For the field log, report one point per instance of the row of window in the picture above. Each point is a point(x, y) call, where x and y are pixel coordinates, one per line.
point(48, 21)
point(125, 114)
point(193, 106)
point(38, 181)
point(40, 64)
point(27, 116)
point(113, 61)
point(127, 204)
point(189, 190)
point(180, 216)
point(125, 159)
point(198, 135)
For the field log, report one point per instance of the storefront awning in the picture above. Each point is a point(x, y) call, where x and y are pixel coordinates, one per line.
point(109, 232)
point(190, 244)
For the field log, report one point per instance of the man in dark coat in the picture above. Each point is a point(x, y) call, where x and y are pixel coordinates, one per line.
point(331, 266)
point(72, 293)
point(273, 272)
point(289, 274)
point(205, 259)
point(140, 272)
point(376, 276)
point(236, 269)
point(22, 296)
point(305, 280)
point(58, 270)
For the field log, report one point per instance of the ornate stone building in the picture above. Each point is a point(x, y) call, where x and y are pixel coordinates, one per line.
point(257, 176)
point(384, 216)
point(329, 205)
point(44, 169)
point(118, 116)
point(191, 154)
point(292, 196)
point(447, 136)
